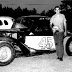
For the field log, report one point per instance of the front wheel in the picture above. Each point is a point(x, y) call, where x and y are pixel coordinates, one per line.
point(69, 47)
point(7, 53)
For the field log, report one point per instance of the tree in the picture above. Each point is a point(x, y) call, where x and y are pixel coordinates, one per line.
point(33, 12)
point(1, 9)
point(50, 12)
point(18, 12)
point(66, 7)
point(25, 12)
point(43, 13)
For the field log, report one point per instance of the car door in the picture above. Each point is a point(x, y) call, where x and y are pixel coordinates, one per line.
point(41, 37)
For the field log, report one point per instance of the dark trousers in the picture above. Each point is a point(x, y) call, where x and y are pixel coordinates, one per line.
point(58, 36)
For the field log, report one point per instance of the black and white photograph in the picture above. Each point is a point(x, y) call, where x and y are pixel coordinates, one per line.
point(35, 35)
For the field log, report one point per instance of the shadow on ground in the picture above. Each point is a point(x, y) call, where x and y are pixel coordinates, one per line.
point(39, 52)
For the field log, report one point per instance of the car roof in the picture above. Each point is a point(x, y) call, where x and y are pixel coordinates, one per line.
point(9, 21)
point(34, 16)
point(6, 17)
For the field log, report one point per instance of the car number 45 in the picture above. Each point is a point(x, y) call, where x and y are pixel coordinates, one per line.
point(46, 43)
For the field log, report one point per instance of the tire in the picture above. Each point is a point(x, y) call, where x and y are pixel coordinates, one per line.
point(7, 53)
point(69, 47)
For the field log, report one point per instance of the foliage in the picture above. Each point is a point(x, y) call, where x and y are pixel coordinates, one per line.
point(6, 11)
point(66, 7)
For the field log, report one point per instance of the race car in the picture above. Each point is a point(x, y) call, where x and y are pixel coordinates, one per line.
point(30, 34)
point(40, 36)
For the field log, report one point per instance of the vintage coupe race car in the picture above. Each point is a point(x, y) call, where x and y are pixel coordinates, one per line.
point(29, 34)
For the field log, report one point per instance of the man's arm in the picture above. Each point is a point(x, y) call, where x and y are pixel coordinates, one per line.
point(51, 22)
point(65, 26)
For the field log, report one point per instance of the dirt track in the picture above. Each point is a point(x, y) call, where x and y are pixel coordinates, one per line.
point(40, 63)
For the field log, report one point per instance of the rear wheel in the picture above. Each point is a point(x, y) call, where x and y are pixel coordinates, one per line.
point(69, 47)
point(7, 53)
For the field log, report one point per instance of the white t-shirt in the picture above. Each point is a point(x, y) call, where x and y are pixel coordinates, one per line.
point(58, 20)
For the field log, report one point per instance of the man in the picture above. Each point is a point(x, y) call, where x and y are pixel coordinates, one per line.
point(58, 25)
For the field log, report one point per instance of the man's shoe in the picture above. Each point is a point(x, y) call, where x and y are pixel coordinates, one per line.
point(58, 58)
point(61, 59)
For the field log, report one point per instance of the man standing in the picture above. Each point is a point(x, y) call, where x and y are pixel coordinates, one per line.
point(58, 25)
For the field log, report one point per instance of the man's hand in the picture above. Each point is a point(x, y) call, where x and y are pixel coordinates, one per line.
point(65, 33)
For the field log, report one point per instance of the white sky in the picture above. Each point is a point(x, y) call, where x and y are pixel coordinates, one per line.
point(40, 5)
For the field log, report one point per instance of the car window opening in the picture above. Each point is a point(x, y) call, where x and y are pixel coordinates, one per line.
point(0, 22)
point(6, 23)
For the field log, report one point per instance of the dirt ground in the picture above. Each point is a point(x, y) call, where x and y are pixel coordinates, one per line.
point(39, 63)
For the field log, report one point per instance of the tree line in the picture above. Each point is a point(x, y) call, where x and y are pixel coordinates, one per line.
point(66, 7)
point(6, 11)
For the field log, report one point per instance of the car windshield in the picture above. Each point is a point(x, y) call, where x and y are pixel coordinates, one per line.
point(39, 25)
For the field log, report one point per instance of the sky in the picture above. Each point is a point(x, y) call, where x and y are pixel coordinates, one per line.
point(40, 5)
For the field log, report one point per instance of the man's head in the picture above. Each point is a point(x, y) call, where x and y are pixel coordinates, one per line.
point(57, 9)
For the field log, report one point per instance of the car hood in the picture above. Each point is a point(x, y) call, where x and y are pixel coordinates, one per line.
point(18, 25)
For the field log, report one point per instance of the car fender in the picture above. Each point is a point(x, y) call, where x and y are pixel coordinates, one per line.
point(64, 43)
point(22, 46)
